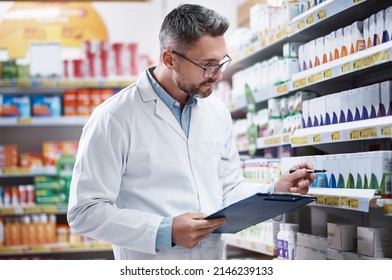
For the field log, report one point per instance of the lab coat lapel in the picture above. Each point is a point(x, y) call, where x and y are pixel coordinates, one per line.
point(197, 115)
point(147, 94)
point(162, 111)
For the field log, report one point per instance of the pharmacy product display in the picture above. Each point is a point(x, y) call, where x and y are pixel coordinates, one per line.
point(334, 58)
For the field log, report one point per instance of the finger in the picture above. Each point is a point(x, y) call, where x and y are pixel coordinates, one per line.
point(299, 173)
point(306, 165)
point(210, 223)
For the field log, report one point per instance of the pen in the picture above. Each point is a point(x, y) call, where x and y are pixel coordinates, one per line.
point(311, 170)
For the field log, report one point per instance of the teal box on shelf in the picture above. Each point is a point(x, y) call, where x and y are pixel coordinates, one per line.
point(46, 105)
point(16, 106)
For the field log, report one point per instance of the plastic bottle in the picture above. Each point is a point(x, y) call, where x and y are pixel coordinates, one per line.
point(285, 241)
point(51, 229)
point(292, 241)
point(26, 221)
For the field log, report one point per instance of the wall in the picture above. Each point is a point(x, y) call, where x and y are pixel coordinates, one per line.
point(140, 22)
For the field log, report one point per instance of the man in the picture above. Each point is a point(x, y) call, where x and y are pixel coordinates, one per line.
point(157, 157)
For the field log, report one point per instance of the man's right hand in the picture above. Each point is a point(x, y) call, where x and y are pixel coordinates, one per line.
point(189, 228)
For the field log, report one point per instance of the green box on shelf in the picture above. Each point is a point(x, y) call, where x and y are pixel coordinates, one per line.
point(50, 190)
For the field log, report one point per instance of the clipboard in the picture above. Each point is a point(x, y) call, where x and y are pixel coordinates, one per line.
point(256, 209)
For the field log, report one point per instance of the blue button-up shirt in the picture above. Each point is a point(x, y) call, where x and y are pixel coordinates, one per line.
point(183, 117)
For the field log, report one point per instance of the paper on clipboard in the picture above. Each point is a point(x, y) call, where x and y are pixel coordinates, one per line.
point(256, 209)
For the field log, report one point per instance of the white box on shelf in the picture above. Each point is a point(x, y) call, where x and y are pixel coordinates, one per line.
point(386, 99)
point(342, 237)
point(51, 52)
point(375, 242)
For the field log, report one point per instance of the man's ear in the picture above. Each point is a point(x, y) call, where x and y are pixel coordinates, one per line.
point(167, 58)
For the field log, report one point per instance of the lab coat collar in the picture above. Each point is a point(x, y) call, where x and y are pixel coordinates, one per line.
point(147, 94)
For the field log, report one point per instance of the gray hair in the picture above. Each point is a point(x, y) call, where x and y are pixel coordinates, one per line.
point(184, 25)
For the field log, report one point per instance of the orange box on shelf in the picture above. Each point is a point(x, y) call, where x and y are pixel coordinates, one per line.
point(95, 99)
point(29, 160)
point(51, 152)
point(83, 102)
point(69, 102)
point(69, 147)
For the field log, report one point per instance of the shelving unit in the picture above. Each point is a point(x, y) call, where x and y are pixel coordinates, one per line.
point(29, 134)
point(373, 65)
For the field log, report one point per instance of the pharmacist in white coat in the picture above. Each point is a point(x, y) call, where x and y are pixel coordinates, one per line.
point(159, 156)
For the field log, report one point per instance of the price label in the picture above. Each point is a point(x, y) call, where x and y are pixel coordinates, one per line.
point(335, 136)
point(48, 83)
point(327, 74)
point(299, 83)
point(353, 203)
point(355, 134)
point(385, 56)
point(7, 211)
point(272, 141)
point(329, 200)
point(315, 78)
point(48, 209)
point(31, 209)
point(388, 209)
point(4, 83)
point(253, 245)
point(299, 140)
point(317, 138)
point(286, 139)
point(346, 67)
point(24, 121)
point(322, 14)
point(368, 132)
point(282, 89)
point(357, 1)
point(301, 25)
point(358, 64)
point(310, 20)
point(320, 199)
point(280, 35)
point(336, 201)
point(368, 61)
point(39, 248)
point(23, 83)
point(271, 39)
point(345, 201)
point(386, 131)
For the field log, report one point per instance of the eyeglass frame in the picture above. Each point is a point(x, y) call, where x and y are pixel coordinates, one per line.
point(205, 68)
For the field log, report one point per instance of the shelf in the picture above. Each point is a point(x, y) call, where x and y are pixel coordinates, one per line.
point(251, 245)
point(347, 67)
point(352, 199)
point(273, 141)
point(376, 128)
point(60, 83)
point(54, 249)
point(10, 172)
point(43, 121)
point(33, 209)
point(318, 21)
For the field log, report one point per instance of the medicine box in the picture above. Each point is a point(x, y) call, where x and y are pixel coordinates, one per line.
point(16, 106)
point(375, 242)
point(342, 237)
point(46, 105)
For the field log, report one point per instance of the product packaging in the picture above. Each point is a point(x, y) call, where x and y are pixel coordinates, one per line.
point(16, 106)
point(381, 33)
point(46, 105)
point(385, 108)
point(357, 37)
point(346, 44)
point(342, 237)
point(388, 23)
point(372, 31)
point(381, 178)
point(375, 242)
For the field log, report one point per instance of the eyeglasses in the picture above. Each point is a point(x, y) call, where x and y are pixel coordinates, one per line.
point(209, 71)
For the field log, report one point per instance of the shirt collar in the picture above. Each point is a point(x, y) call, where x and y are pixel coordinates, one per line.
point(164, 96)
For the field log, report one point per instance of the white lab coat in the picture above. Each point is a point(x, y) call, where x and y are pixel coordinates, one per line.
point(135, 166)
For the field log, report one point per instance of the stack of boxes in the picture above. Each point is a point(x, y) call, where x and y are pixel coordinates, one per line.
point(347, 241)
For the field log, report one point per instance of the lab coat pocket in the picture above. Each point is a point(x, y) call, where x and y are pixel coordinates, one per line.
point(220, 161)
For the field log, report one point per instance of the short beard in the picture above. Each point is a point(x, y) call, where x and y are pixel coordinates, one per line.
point(195, 90)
